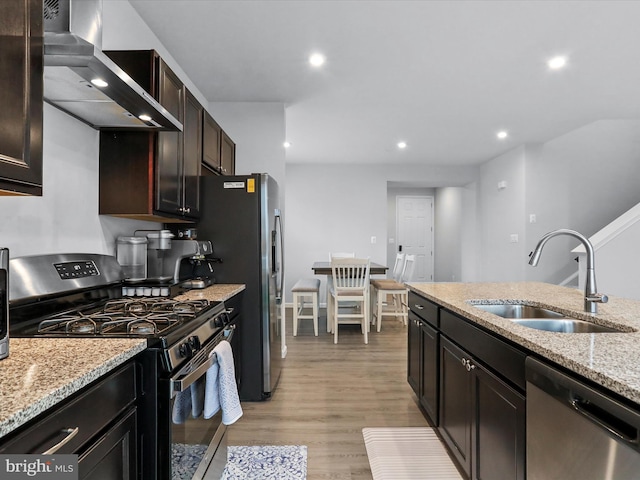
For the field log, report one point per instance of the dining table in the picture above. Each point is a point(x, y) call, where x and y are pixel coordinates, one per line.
point(324, 268)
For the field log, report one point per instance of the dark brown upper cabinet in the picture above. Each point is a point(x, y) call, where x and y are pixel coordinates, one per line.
point(218, 150)
point(153, 175)
point(211, 143)
point(21, 86)
point(228, 155)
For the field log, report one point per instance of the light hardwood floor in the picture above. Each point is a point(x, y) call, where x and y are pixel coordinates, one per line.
point(328, 393)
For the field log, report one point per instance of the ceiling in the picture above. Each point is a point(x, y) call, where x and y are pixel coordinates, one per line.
point(443, 76)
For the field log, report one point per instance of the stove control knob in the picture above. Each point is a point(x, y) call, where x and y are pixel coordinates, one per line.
point(194, 342)
point(219, 321)
point(186, 350)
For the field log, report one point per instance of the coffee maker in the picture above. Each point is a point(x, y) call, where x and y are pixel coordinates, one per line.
point(192, 263)
point(159, 248)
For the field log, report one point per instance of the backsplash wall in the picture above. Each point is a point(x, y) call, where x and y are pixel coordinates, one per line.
point(65, 218)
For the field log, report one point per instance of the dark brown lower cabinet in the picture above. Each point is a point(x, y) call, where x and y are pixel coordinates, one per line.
point(456, 403)
point(482, 418)
point(429, 371)
point(114, 454)
point(99, 424)
point(498, 429)
point(414, 357)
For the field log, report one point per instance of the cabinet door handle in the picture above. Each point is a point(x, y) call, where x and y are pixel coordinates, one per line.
point(466, 363)
point(71, 432)
point(419, 307)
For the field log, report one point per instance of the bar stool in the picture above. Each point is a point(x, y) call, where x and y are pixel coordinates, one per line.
point(304, 288)
point(397, 290)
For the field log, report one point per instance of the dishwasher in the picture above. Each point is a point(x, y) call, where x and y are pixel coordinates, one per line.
point(577, 432)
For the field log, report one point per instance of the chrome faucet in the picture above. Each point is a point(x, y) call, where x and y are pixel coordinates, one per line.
point(591, 297)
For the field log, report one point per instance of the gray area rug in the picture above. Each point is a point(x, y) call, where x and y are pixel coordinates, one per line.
point(266, 462)
point(410, 453)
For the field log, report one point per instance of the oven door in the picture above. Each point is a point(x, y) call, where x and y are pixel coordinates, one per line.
point(198, 445)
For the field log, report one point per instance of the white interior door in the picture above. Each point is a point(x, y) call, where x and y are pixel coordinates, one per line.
point(414, 232)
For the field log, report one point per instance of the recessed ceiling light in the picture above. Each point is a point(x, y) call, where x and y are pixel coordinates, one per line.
point(144, 118)
point(502, 134)
point(286, 144)
point(557, 62)
point(317, 60)
point(98, 82)
point(402, 145)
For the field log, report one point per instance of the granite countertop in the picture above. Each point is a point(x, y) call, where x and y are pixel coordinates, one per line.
point(214, 293)
point(41, 372)
point(610, 359)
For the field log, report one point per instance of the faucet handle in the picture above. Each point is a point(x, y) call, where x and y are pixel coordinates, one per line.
point(598, 298)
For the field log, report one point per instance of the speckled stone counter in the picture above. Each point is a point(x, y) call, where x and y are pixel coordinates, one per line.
point(214, 293)
point(40, 372)
point(610, 359)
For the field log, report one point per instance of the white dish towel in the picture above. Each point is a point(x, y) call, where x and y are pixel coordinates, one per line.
point(221, 390)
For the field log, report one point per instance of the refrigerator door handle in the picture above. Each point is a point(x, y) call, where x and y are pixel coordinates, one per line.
point(278, 238)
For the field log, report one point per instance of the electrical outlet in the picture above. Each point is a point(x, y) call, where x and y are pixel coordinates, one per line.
point(532, 218)
point(514, 238)
point(373, 240)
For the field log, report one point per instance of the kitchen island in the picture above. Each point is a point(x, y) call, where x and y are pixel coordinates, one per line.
point(471, 370)
point(609, 359)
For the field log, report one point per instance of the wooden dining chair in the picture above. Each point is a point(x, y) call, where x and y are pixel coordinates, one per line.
point(398, 306)
point(350, 285)
point(333, 255)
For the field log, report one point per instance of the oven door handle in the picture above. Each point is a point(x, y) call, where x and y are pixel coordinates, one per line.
point(181, 381)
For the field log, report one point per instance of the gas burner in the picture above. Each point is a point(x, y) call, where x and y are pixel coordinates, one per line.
point(142, 327)
point(143, 316)
point(115, 306)
point(137, 307)
point(81, 325)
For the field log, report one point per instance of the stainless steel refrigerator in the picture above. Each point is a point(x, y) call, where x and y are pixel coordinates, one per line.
point(240, 215)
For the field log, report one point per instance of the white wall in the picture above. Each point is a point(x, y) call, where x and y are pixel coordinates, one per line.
point(469, 243)
point(448, 234)
point(582, 180)
point(617, 264)
point(502, 216)
point(258, 129)
point(124, 29)
point(340, 207)
point(65, 218)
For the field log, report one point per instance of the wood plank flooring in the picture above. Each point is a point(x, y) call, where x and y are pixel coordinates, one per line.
point(328, 393)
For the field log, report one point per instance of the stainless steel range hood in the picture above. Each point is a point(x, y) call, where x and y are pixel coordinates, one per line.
point(81, 80)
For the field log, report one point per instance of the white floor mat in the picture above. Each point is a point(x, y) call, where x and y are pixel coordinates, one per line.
point(411, 453)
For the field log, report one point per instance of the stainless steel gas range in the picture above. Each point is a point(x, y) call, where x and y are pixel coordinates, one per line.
point(81, 295)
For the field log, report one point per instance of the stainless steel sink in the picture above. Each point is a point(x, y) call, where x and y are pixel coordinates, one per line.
point(541, 318)
point(563, 325)
point(507, 310)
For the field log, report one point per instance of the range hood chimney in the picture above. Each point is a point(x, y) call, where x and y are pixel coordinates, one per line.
point(82, 81)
